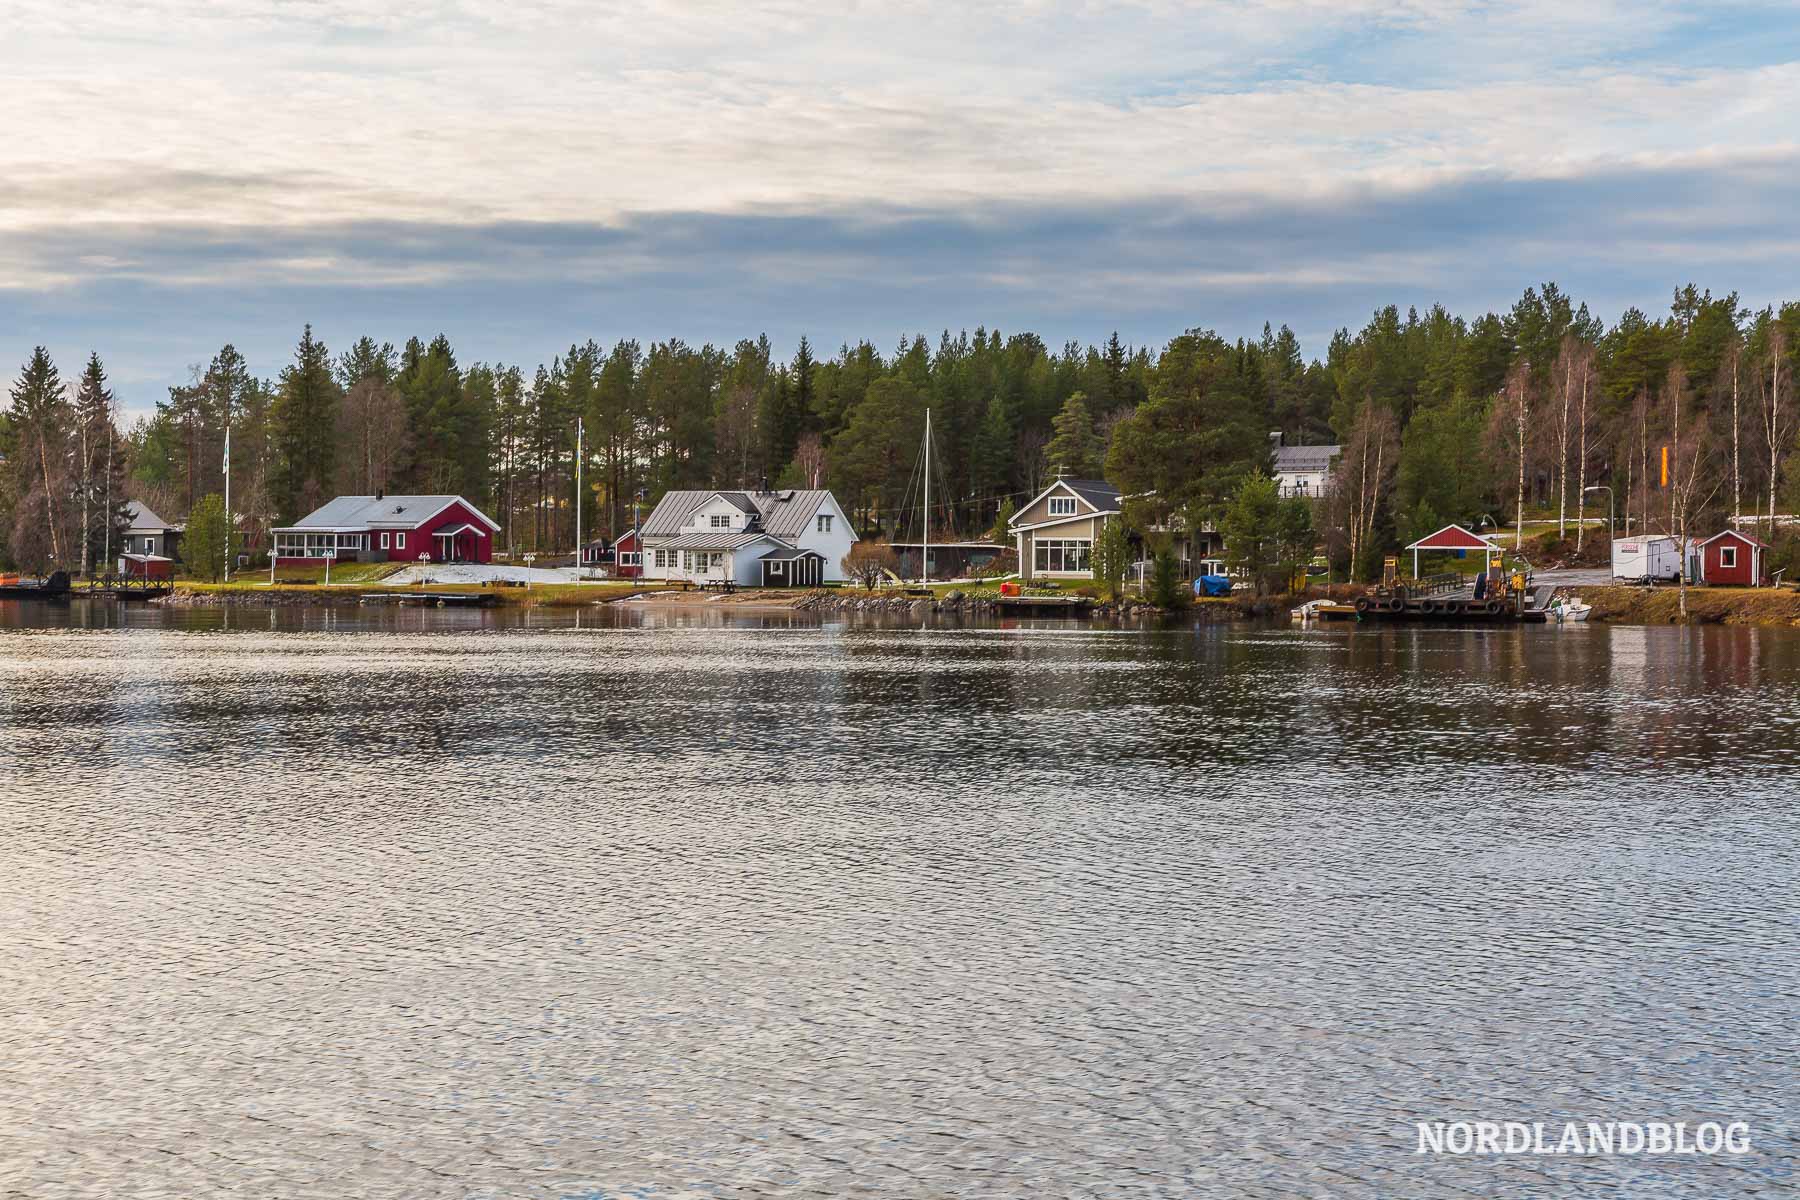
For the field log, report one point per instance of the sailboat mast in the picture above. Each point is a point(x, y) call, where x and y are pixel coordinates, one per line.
point(925, 546)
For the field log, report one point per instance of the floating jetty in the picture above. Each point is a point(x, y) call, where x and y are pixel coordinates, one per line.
point(1045, 606)
point(434, 599)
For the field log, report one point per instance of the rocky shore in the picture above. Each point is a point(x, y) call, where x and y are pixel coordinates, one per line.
point(184, 597)
point(846, 600)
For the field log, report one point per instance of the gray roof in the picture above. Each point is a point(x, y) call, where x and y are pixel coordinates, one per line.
point(1305, 458)
point(1097, 492)
point(143, 518)
point(387, 512)
point(788, 553)
point(783, 514)
point(722, 540)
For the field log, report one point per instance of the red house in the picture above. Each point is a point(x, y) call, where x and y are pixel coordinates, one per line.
point(383, 528)
point(628, 557)
point(1732, 559)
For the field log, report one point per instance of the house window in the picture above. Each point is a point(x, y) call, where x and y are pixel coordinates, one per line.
point(384, 542)
point(399, 541)
point(1062, 506)
point(1063, 554)
point(721, 521)
point(1727, 557)
point(824, 522)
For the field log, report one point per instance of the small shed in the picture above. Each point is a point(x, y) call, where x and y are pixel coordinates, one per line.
point(146, 566)
point(628, 555)
point(1732, 559)
point(1457, 540)
point(793, 568)
point(597, 553)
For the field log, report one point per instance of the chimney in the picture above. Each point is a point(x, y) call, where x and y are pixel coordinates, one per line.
point(763, 485)
point(381, 493)
point(1275, 437)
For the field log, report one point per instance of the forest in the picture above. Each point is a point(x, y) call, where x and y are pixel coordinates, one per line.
point(1688, 416)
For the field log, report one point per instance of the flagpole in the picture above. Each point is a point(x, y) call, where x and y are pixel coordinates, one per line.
point(578, 457)
point(227, 504)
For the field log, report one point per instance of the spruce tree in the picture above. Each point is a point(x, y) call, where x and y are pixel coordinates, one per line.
point(1074, 451)
point(306, 429)
point(40, 419)
point(99, 469)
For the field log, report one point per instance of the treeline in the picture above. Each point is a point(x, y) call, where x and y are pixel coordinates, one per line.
point(1443, 418)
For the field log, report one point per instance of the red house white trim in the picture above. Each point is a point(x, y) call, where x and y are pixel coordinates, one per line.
point(1732, 559)
point(385, 528)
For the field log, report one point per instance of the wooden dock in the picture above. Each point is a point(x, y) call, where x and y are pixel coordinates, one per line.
point(434, 599)
point(1045, 606)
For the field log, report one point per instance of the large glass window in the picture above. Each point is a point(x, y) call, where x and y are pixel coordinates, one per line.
point(1063, 554)
point(1062, 506)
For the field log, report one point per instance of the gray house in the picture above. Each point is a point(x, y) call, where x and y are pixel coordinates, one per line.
point(1056, 532)
point(150, 535)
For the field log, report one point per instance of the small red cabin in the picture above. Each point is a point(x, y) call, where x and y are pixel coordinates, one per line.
point(1732, 559)
point(628, 558)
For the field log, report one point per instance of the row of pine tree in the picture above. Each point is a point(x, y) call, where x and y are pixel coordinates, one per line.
point(1432, 400)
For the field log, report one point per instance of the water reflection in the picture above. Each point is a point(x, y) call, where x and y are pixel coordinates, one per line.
point(417, 902)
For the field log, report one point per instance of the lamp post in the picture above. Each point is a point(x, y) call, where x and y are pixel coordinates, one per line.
point(1601, 487)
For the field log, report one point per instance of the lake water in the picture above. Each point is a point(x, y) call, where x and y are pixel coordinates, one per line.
point(445, 904)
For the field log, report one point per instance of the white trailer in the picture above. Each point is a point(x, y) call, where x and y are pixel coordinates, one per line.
point(1656, 557)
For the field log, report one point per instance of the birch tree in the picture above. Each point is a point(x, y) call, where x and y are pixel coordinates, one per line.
point(1585, 374)
point(1774, 421)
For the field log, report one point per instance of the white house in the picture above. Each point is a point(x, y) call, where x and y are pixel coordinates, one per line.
point(789, 538)
point(1057, 530)
point(1302, 470)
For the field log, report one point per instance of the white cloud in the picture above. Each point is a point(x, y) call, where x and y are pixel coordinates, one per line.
point(298, 112)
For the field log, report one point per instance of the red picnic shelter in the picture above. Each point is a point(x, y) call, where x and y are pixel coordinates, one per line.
point(1453, 538)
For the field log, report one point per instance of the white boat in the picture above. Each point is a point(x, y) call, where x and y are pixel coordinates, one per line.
point(1571, 609)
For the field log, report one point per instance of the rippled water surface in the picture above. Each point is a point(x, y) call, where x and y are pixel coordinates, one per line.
point(482, 905)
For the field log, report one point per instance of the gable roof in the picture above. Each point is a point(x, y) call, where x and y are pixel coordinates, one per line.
point(384, 512)
point(1453, 537)
point(1099, 496)
point(1747, 539)
point(142, 518)
point(782, 514)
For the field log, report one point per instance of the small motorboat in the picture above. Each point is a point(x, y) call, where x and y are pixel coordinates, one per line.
point(1570, 609)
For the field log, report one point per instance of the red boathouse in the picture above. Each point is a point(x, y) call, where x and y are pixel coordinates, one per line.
point(1732, 559)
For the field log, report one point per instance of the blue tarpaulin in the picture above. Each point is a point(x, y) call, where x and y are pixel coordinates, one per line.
point(1212, 585)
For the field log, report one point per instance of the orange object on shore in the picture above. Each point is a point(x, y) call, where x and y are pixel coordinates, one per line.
point(1009, 588)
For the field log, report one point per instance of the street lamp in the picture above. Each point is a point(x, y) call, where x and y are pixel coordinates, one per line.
point(1601, 487)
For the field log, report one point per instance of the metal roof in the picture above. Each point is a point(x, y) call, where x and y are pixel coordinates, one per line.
point(717, 541)
point(385, 512)
point(1305, 458)
point(783, 514)
point(788, 554)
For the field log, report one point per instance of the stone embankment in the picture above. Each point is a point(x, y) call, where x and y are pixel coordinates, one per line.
point(277, 597)
point(848, 600)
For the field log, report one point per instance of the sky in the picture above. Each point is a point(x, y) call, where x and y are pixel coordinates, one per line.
point(178, 174)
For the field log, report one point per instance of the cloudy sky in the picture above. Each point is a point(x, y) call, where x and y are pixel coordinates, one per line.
point(520, 175)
